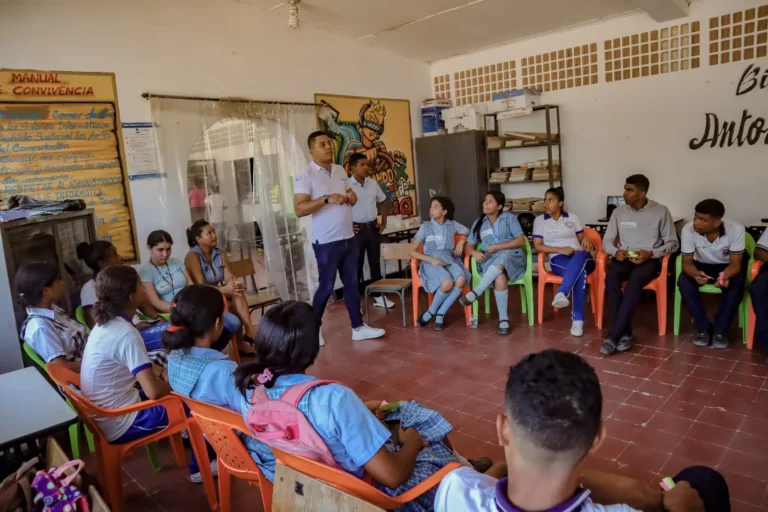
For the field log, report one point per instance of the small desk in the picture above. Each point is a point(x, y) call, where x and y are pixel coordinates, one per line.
point(30, 407)
point(600, 226)
point(395, 237)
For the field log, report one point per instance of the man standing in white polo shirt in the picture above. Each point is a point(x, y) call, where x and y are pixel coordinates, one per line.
point(364, 220)
point(321, 190)
point(713, 250)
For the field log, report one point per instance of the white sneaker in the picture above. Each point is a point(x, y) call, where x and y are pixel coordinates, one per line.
point(577, 328)
point(366, 332)
point(322, 341)
point(197, 478)
point(561, 301)
point(380, 301)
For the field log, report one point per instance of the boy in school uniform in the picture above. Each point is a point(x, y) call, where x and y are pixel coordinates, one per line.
point(640, 233)
point(713, 252)
point(550, 423)
point(758, 291)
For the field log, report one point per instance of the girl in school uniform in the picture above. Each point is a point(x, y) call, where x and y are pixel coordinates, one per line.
point(560, 234)
point(441, 270)
point(164, 277)
point(54, 336)
point(207, 264)
point(502, 258)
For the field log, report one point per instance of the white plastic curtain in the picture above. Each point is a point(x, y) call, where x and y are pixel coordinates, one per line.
point(233, 163)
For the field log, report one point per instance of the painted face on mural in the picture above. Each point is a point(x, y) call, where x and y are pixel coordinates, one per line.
point(369, 134)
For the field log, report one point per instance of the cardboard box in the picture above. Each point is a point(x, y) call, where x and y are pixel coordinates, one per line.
point(431, 120)
point(469, 122)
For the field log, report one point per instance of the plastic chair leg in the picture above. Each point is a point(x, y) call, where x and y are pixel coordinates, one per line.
point(74, 440)
point(661, 311)
point(225, 489)
point(529, 297)
point(110, 470)
point(487, 301)
point(678, 304)
point(89, 439)
point(542, 289)
point(523, 303)
point(415, 293)
point(154, 458)
point(177, 445)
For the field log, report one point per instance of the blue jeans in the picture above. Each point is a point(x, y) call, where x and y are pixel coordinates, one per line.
point(573, 270)
point(332, 258)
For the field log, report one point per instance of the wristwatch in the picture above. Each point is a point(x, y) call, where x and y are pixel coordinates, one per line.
point(325, 198)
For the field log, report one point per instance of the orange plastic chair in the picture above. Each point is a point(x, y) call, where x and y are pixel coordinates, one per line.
point(658, 285)
point(593, 279)
point(220, 427)
point(755, 269)
point(430, 296)
point(111, 456)
point(357, 487)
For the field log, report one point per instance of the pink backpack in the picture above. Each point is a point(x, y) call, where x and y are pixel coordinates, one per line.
point(281, 424)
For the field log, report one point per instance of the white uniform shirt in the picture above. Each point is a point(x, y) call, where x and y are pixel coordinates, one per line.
point(215, 204)
point(563, 232)
point(762, 243)
point(53, 334)
point(113, 356)
point(332, 222)
point(368, 195)
point(730, 241)
point(466, 490)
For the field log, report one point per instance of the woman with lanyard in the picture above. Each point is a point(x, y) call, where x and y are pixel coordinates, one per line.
point(502, 258)
point(164, 277)
point(207, 264)
point(561, 235)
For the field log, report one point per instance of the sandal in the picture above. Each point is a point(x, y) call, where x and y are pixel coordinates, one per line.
point(481, 465)
point(246, 341)
point(423, 322)
point(503, 330)
point(439, 322)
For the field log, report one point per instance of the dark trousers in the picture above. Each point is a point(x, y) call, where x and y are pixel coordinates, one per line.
point(729, 303)
point(711, 486)
point(758, 290)
point(623, 304)
point(332, 258)
point(368, 242)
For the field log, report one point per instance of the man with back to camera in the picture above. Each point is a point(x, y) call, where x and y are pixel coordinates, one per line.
point(713, 252)
point(364, 220)
point(322, 191)
point(758, 291)
point(646, 234)
point(551, 423)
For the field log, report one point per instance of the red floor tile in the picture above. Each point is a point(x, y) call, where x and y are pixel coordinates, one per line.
point(744, 488)
point(644, 458)
point(704, 453)
point(748, 443)
point(666, 422)
point(658, 439)
point(681, 408)
point(711, 434)
point(646, 401)
point(633, 415)
point(724, 419)
point(480, 429)
point(746, 464)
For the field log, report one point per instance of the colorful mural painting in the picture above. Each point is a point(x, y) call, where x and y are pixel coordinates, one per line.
point(357, 125)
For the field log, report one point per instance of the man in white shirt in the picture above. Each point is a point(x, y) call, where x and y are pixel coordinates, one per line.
point(713, 251)
point(758, 291)
point(551, 422)
point(215, 204)
point(322, 191)
point(364, 220)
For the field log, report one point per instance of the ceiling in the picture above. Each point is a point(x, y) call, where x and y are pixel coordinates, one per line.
point(430, 30)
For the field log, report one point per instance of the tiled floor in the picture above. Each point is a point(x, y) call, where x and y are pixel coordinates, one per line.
point(668, 404)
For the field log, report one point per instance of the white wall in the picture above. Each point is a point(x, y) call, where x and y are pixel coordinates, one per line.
point(644, 125)
point(202, 48)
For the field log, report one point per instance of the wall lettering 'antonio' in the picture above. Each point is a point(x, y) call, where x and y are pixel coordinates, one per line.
point(749, 129)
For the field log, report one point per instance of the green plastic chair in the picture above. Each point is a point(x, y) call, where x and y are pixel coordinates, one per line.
point(142, 316)
point(525, 283)
point(154, 457)
point(743, 313)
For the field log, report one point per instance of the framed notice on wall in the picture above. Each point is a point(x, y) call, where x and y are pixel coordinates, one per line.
point(60, 138)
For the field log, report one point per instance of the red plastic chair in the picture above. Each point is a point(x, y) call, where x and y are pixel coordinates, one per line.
point(430, 296)
point(220, 427)
point(111, 456)
point(658, 285)
point(594, 279)
point(357, 487)
point(755, 269)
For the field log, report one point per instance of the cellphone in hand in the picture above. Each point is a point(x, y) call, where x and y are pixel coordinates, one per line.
point(394, 430)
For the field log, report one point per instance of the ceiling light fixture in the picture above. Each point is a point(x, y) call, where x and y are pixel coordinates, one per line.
point(293, 14)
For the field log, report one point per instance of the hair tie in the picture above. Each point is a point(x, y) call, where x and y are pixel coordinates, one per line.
point(176, 328)
point(173, 305)
point(264, 376)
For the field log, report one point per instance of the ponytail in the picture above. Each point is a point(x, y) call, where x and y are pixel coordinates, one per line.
point(195, 230)
point(95, 254)
point(194, 312)
point(114, 288)
point(32, 279)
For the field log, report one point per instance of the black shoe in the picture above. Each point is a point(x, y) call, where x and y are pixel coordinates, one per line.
point(481, 465)
point(625, 343)
point(719, 341)
point(439, 322)
point(608, 348)
point(464, 301)
point(702, 338)
point(503, 327)
point(423, 322)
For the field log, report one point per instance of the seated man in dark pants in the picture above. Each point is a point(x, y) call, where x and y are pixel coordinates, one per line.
point(364, 220)
point(646, 234)
point(758, 291)
point(713, 250)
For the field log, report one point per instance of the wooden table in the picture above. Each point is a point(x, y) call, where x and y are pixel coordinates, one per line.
point(30, 408)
